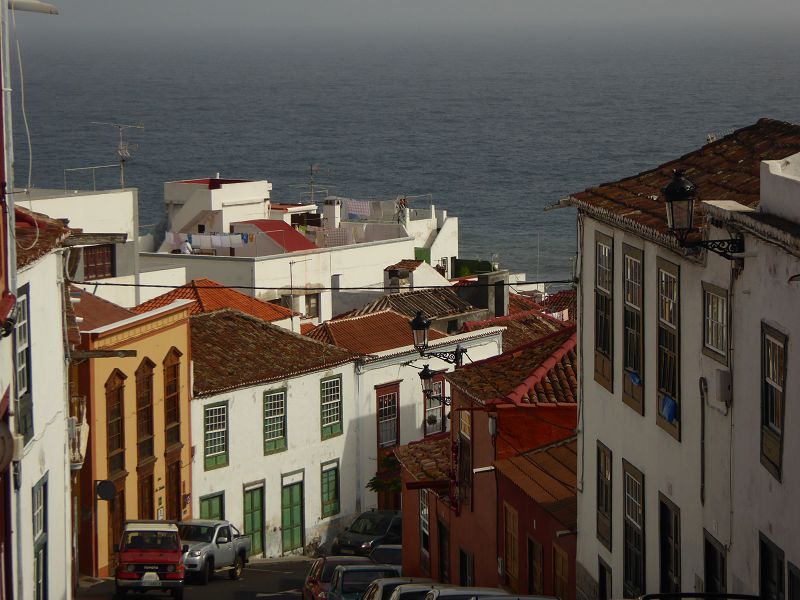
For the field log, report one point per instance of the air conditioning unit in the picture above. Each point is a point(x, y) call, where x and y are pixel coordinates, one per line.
point(722, 388)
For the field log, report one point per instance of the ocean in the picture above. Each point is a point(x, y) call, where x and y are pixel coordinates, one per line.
point(495, 128)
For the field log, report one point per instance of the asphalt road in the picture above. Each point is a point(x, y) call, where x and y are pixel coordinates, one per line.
point(276, 580)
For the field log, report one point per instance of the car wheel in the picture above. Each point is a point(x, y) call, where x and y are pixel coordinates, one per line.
point(207, 572)
point(238, 567)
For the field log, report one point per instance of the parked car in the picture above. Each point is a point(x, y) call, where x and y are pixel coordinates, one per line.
point(388, 554)
point(350, 581)
point(318, 580)
point(381, 589)
point(415, 591)
point(213, 545)
point(464, 593)
point(370, 529)
point(150, 559)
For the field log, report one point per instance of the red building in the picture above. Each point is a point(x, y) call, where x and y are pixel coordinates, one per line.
point(465, 513)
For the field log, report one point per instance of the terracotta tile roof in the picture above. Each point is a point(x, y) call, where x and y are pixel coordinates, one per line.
point(427, 460)
point(435, 303)
point(370, 333)
point(518, 303)
point(36, 235)
point(210, 295)
point(548, 476)
point(404, 265)
point(543, 371)
point(561, 301)
point(96, 312)
point(726, 169)
point(521, 327)
point(283, 234)
point(233, 350)
point(306, 328)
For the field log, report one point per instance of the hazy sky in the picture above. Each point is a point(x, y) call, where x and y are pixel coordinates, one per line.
point(160, 18)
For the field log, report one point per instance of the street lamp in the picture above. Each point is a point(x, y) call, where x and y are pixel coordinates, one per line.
point(426, 377)
point(680, 195)
point(420, 325)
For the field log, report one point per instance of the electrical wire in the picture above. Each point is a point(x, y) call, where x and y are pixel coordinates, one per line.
point(22, 97)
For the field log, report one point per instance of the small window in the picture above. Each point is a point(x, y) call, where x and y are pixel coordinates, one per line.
point(773, 383)
point(511, 522)
point(115, 422)
point(98, 262)
point(388, 416)
point(771, 560)
point(215, 420)
point(312, 306)
point(633, 531)
point(604, 495)
point(668, 361)
point(715, 576)
point(715, 322)
point(274, 421)
point(424, 530)
point(603, 311)
point(331, 407)
point(22, 353)
point(633, 332)
point(40, 546)
point(434, 407)
point(144, 410)
point(669, 521)
point(172, 397)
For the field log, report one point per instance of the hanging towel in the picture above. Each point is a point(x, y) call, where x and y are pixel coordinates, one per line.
point(170, 238)
point(236, 240)
point(357, 209)
point(216, 241)
point(202, 241)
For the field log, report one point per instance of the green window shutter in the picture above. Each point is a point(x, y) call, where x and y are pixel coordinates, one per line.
point(215, 434)
point(422, 254)
point(330, 491)
point(330, 407)
point(274, 421)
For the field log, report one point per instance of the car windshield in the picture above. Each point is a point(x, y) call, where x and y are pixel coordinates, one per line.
point(417, 595)
point(391, 556)
point(355, 582)
point(371, 524)
point(150, 540)
point(196, 533)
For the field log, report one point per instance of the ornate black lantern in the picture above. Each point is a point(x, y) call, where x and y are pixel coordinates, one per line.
point(419, 329)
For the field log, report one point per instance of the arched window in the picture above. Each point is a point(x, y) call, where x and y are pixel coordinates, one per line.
point(144, 409)
point(172, 397)
point(115, 421)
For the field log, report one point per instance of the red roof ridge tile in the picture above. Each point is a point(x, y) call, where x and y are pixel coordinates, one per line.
point(542, 370)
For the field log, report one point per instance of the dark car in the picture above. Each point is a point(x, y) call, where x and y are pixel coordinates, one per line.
point(370, 529)
point(387, 554)
point(319, 576)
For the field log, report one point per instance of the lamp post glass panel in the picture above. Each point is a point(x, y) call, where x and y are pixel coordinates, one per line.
point(679, 196)
point(419, 329)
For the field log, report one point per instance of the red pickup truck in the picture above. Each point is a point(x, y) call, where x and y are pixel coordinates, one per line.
point(150, 558)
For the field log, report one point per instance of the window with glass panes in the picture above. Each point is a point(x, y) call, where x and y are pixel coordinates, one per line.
point(424, 524)
point(511, 522)
point(330, 489)
point(98, 261)
point(668, 350)
point(215, 430)
point(22, 355)
point(603, 309)
point(633, 531)
point(633, 333)
point(39, 509)
point(604, 495)
point(274, 421)
point(331, 407)
point(115, 422)
point(773, 382)
point(715, 322)
point(388, 417)
point(172, 389)
point(434, 408)
point(144, 409)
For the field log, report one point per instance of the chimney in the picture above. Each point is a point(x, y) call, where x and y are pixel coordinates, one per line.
point(493, 289)
point(332, 213)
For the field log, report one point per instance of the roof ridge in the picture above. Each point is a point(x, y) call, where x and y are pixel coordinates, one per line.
point(100, 298)
point(543, 369)
point(197, 295)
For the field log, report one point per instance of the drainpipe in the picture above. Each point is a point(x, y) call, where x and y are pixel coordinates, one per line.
point(359, 372)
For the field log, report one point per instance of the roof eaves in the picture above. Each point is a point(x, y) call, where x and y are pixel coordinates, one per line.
point(542, 370)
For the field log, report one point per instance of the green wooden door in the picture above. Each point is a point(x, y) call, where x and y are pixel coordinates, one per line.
point(254, 518)
point(213, 507)
point(292, 516)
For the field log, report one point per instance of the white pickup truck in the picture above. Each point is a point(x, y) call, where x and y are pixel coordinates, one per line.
point(213, 546)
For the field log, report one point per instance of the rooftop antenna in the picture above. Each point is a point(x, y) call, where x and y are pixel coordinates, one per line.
point(313, 185)
point(124, 148)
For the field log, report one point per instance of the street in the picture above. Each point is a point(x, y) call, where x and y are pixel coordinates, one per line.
point(279, 579)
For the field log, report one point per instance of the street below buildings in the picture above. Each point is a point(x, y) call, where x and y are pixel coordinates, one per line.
point(273, 579)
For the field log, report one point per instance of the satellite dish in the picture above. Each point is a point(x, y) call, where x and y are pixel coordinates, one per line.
point(6, 446)
point(105, 489)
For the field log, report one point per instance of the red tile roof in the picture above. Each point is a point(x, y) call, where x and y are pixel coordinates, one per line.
point(283, 234)
point(210, 295)
point(521, 327)
point(518, 303)
point(306, 328)
point(427, 459)
point(233, 350)
point(370, 333)
point(96, 312)
point(404, 265)
point(36, 235)
point(548, 476)
point(726, 169)
point(435, 303)
point(540, 372)
point(561, 301)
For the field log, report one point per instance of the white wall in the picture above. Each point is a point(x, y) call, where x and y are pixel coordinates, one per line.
point(306, 450)
point(174, 277)
point(670, 467)
point(113, 211)
point(47, 453)
point(445, 245)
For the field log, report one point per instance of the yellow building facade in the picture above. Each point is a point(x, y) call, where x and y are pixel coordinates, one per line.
point(138, 459)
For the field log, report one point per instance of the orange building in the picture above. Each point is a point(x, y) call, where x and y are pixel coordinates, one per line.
point(132, 371)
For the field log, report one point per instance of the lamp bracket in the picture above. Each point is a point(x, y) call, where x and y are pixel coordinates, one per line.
point(446, 400)
point(456, 357)
point(725, 248)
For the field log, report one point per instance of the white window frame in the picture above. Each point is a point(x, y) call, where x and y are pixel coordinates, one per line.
point(331, 402)
point(775, 378)
point(22, 337)
point(605, 268)
point(388, 419)
point(715, 321)
point(274, 415)
point(215, 430)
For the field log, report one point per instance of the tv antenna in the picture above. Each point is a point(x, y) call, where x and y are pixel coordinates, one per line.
point(313, 186)
point(124, 147)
